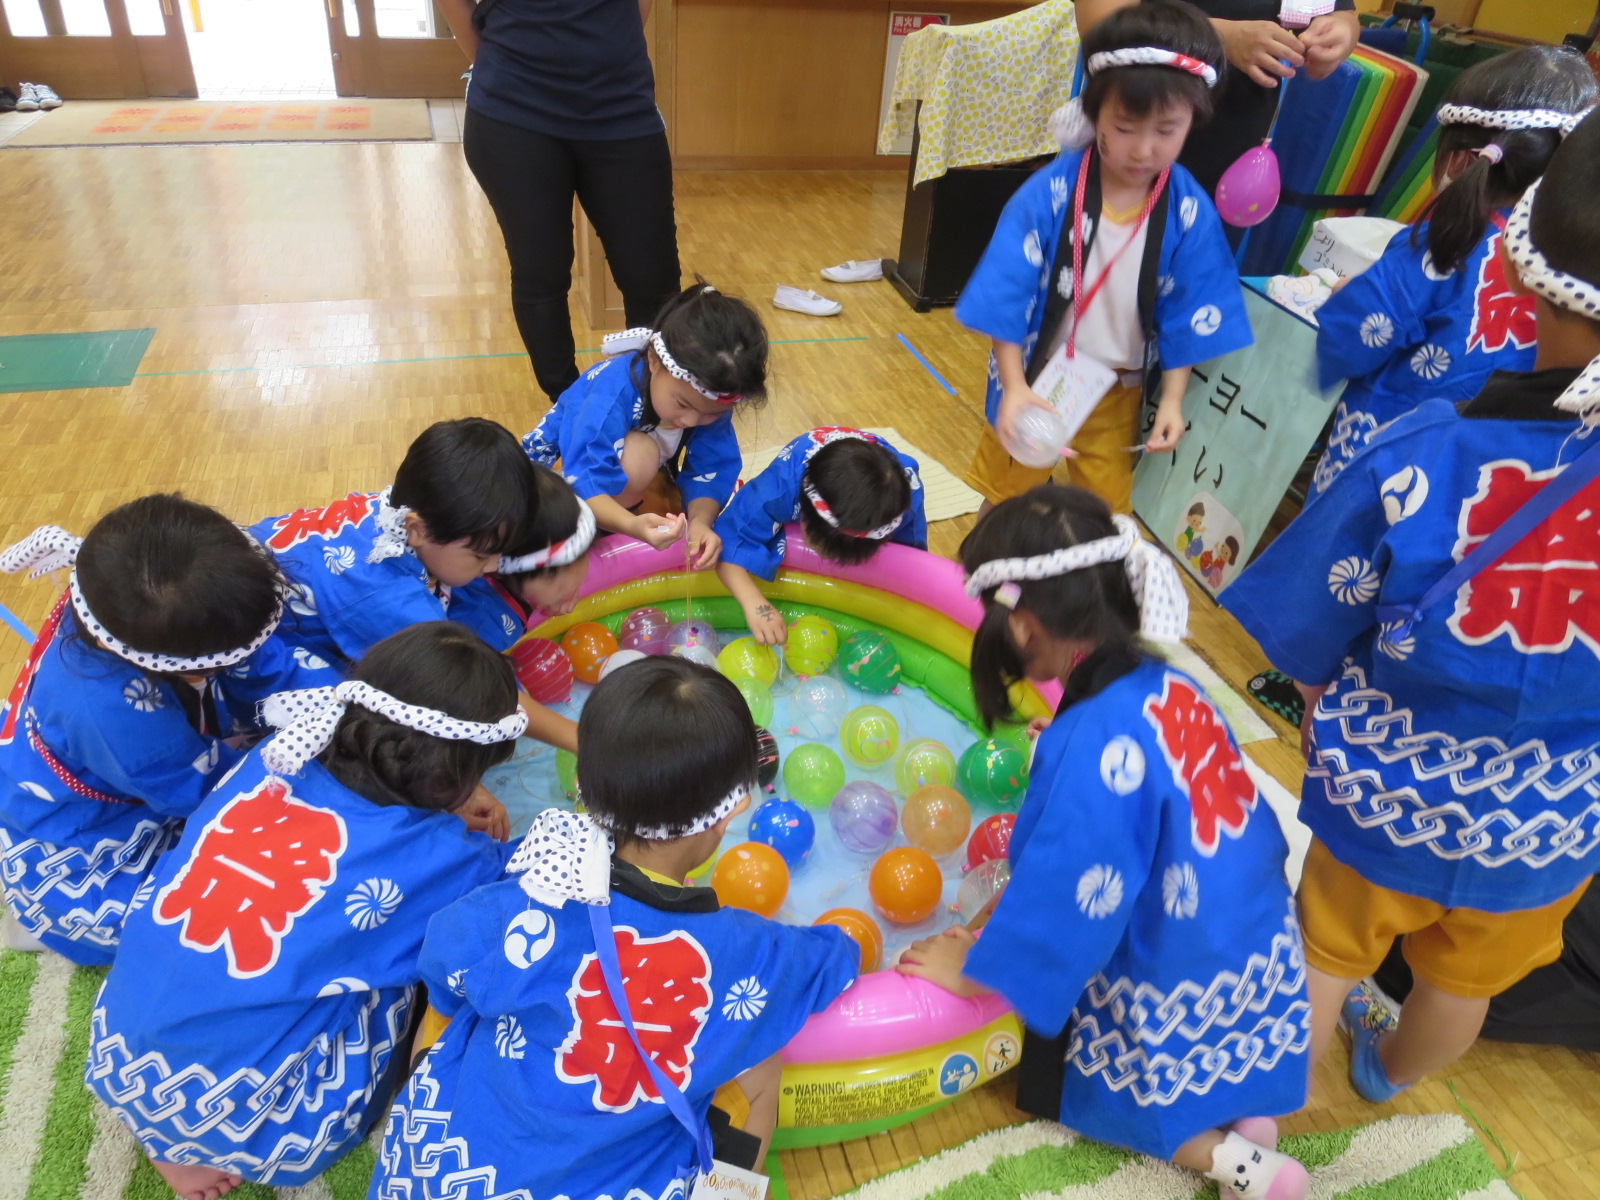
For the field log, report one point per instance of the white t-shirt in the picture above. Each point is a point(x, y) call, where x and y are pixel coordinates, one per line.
point(667, 441)
point(1111, 330)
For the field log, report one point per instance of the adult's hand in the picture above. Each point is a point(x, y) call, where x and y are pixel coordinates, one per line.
point(1328, 41)
point(1260, 49)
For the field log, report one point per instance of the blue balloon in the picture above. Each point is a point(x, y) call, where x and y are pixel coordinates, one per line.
point(785, 826)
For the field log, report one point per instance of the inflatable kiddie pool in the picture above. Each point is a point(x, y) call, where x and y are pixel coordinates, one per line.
point(892, 1047)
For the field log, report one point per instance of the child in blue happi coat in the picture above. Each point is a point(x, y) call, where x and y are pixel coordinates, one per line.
point(1148, 921)
point(658, 419)
point(372, 564)
point(1435, 315)
point(1453, 682)
point(132, 704)
point(1147, 290)
point(850, 491)
point(259, 1018)
point(666, 757)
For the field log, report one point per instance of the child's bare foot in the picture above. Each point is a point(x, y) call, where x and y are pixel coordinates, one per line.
point(196, 1182)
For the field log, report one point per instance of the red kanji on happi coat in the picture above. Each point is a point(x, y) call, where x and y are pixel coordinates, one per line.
point(304, 523)
point(1500, 315)
point(1204, 762)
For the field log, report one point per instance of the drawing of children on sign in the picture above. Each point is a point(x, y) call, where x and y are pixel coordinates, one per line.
point(1189, 539)
point(1209, 540)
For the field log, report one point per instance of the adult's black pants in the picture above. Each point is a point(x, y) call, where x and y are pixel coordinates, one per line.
point(625, 187)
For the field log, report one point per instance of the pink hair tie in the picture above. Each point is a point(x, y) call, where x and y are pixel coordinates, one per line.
point(1493, 152)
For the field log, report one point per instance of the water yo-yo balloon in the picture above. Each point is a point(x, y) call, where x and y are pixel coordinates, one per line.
point(644, 629)
point(694, 633)
point(766, 757)
point(812, 774)
point(981, 885)
point(870, 661)
point(746, 658)
point(869, 735)
point(696, 653)
point(863, 817)
point(993, 772)
point(567, 773)
point(621, 658)
point(1039, 436)
point(818, 706)
point(990, 840)
point(588, 644)
point(936, 819)
point(786, 827)
point(863, 931)
point(813, 643)
point(758, 697)
point(752, 876)
point(923, 761)
point(905, 885)
point(542, 669)
point(1248, 190)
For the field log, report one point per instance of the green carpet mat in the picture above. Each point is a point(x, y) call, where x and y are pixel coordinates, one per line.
point(47, 362)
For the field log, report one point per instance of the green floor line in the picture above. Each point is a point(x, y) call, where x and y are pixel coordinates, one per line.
point(389, 362)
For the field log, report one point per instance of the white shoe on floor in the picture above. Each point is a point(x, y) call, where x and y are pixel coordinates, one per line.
point(797, 300)
point(27, 98)
point(862, 270)
point(46, 97)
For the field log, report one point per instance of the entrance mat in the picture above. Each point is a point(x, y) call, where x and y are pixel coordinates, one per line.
point(154, 122)
point(48, 362)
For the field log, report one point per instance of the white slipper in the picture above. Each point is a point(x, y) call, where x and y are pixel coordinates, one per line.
point(807, 302)
point(862, 270)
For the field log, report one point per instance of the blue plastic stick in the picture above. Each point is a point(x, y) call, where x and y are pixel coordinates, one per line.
point(916, 354)
point(10, 618)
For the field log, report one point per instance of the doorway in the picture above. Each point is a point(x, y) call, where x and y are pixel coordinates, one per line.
point(260, 49)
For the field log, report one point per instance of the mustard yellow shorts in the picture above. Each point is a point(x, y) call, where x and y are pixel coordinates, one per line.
point(1104, 464)
point(1349, 924)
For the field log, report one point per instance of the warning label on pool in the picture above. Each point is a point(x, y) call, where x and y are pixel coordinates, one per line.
point(845, 1102)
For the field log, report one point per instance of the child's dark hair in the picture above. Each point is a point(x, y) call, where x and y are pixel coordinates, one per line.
point(1535, 77)
point(169, 576)
point(555, 518)
point(1093, 604)
point(439, 665)
point(864, 486)
point(1197, 510)
point(468, 480)
point(660, 742)
point(1565, 224)
point(1232, 544)
point(718, 339)
point(1171, 25)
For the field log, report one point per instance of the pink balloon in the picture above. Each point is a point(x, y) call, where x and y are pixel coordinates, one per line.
point(1248, 191)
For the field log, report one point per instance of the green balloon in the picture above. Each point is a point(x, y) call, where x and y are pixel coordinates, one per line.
point(870, 661)
point(869, 735)
point(758, 696)
point(993, 772)
point(567, 773)
point(812, 774)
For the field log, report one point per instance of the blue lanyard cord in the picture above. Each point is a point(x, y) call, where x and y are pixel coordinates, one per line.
point(605, 946)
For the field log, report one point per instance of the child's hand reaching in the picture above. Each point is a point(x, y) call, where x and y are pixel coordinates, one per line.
point(940, 960)
point(1168, 428)
point(483, 813)
point(1037, 726)
point(705, 547)
point(658, 530)
point(767, 625)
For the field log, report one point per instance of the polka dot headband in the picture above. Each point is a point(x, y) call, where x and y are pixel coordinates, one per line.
point(559, 554)
point(1562, 290)
point(1509, 119)
point(1151, 56)
point(1163, 604)
point(307, 718)
point(826, 513)
point(51, 548)
point(391, 522)
point(614, 344)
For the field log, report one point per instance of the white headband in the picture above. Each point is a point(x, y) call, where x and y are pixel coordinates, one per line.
point(1562, 290)
point(1157, 589)
point(567, 856)
point(558, 554)
point(1151, 56)
point(306, 720)
point(391, 539)
point(1508, 119)
point(51, 548)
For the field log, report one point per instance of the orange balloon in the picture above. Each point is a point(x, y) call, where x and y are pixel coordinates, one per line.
point(905, 884)
point(751, 876)
point(863, 930)
point(936, 819)
point(588, 644)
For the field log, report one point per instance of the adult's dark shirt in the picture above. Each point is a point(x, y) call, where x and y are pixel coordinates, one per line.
point(575, 69)
point(1243, 108)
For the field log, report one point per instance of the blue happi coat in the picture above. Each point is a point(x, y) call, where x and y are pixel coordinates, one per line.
point(585, 429)
point(1401, 332)
point(99, 766)
point(751, 526)
point(344, 602)
point(534, 1089)
point(269, 969)
point(1458, 760)
point(1199, 309)
point(1148, 913)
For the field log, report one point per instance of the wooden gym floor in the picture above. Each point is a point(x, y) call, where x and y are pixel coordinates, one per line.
point(315, 306)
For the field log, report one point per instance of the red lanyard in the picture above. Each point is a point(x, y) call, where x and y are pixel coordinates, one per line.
point(1080, 301)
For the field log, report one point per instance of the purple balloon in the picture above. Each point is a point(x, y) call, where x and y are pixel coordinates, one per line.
point(863, 816)
point(694, 633)
point(645, 630)
point(1248, 190)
